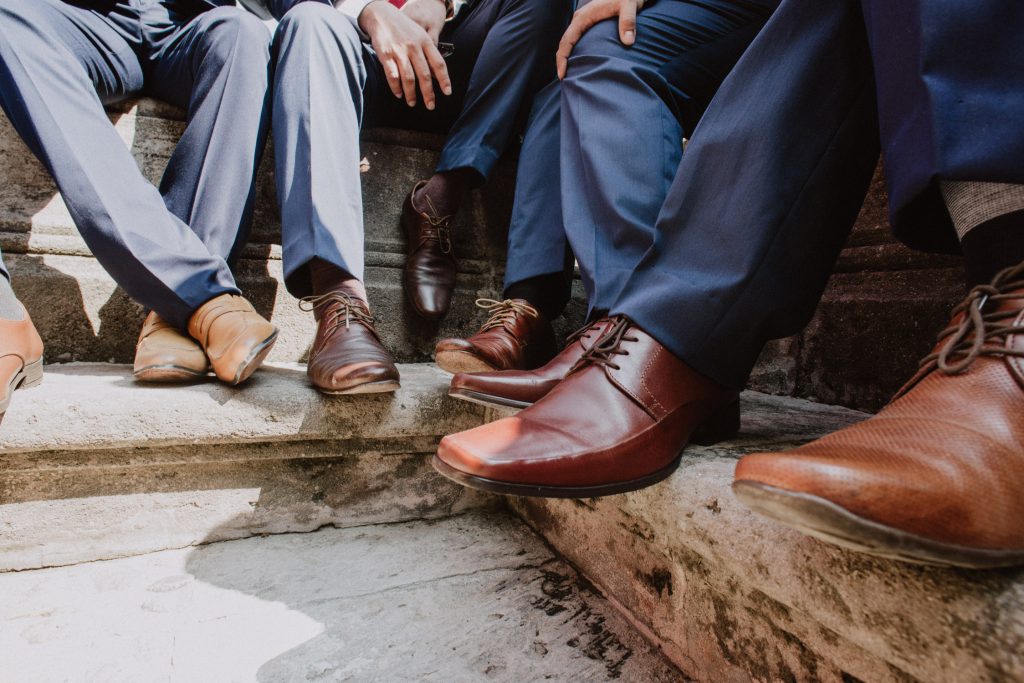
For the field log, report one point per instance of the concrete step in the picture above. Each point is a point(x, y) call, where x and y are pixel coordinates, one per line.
point(730, 596)
point(82, 316)
point(470, 598)
point(94, 466)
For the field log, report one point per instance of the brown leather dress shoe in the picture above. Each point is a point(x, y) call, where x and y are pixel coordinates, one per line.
point(429, 274)
point(516, 337)
point(347, 356)
point(164, 354)
point(233, 335)
point(21, 358)
point(937, 476)
point(618, 422)
point(519, 389)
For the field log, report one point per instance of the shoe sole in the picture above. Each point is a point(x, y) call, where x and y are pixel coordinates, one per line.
point(168, 374)
point(462, 361)
point(544, 491)
point(384, 387)
point(488, 400)
point(30, 376)
point(834, 524)
point(254, 360)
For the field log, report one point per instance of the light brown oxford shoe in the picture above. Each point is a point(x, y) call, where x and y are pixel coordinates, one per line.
point(936, 477)
point(234, 336)
point(21, 358)
point(166, 355)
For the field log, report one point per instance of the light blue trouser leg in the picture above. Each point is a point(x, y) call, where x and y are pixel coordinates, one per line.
point(317, 113)
point(765, 195)
point(58, 64)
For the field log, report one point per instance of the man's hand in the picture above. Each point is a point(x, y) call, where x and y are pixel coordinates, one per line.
point(429, 14)
point(591, 13)
point(407, 52)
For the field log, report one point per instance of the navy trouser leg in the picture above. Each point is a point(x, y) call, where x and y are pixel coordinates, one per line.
point(218, 68)
point(536, 237)
point(764, 196)
point(619, 124)
point(58, 64)
point(317, 113)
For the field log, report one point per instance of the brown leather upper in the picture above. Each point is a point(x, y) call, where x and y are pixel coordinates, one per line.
point(945, 459)
point(531, 386)
point(20, 345)
point(164, 350)
point(625, 412)
point(429, 273)
point(347, 353)
point(516, 337)
point(233, 335)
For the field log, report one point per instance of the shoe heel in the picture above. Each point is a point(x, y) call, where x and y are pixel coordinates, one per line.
point(720, 426)
point(33, 375)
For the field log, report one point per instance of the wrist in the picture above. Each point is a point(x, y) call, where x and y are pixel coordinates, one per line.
point(372, 13)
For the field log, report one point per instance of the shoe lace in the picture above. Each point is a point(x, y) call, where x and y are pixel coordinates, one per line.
point(347, 311)
point(441, 228)
point(504, 313)
point(608, 346)
point(979, 333)
point(585, 330)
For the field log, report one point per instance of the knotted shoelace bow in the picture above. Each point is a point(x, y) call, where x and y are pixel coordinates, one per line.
point(349, 310)
point(608, 346)
point(442, 229)
point(979, 333)
point(503, 313)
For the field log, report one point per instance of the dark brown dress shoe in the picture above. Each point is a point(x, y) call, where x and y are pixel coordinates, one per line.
point(21, 358)
point(429, 274)
point(618, 422)
point(937, 476)
point(516, 337)
point(519, 389)
point(347, 356)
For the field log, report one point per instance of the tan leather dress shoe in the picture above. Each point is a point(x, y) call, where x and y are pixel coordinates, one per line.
point(516, 337)
point(347, 356)
point(618, 422)
point(522, 388)
point(937, 476)
point(234, 336)
point(429, 274)
point(165, 355)
point(21, 358)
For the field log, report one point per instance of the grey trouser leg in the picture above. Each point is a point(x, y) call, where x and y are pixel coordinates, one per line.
point(58, 64)
point(318, 105)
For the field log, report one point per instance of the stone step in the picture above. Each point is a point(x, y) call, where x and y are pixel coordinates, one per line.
point(94, 466)
point(469, 598)
point(730, 596)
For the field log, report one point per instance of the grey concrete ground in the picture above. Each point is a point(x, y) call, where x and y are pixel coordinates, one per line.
point(470, 598)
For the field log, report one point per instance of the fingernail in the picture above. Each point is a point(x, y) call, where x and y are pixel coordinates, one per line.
point(447, 90)
point(430, 106)
point(629, 36)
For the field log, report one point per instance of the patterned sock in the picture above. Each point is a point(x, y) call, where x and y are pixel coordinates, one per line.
point(989, 219)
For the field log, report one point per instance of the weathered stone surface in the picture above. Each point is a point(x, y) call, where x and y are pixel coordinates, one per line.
point(93, 466)
point(476, 597)
point(733, 597)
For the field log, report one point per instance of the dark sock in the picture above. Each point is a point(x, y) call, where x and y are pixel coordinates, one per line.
point(445, 191)
point(10, 307)
point(548, 293)
point(328, 277)
point(993, 246)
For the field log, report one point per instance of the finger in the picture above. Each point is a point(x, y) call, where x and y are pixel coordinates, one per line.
point(439, 68)
point(408, 80)
point(393, 75)
point(627, 23)
point(425, 77)
point(571, 36)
